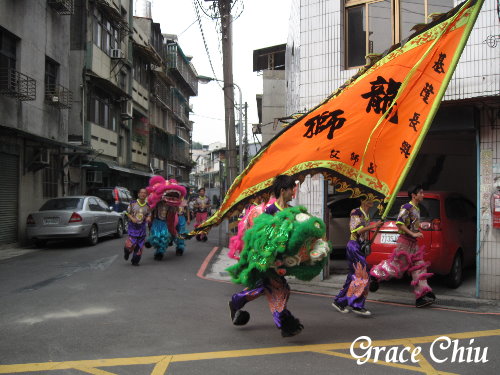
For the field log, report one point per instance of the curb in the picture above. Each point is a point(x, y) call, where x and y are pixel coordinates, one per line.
point(329, 288)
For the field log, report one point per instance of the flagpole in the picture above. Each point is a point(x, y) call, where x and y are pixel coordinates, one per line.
point(436, 103)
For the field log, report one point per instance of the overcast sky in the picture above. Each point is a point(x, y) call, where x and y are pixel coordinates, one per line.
point(263, 23)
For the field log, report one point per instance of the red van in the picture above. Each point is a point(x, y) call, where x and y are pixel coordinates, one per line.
point(448, 222)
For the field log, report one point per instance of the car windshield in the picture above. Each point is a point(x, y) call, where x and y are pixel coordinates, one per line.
point(429, 209)
point(63, 204)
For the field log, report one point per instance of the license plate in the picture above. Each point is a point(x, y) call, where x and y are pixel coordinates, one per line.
point(50, 220)
point(389, 238)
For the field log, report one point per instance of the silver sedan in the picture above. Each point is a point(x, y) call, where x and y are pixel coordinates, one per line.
point(73, 217)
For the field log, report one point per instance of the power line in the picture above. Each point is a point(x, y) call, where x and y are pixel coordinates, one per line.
point(203, 36)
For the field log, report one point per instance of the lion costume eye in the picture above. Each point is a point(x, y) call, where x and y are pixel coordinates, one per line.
point(302, 217)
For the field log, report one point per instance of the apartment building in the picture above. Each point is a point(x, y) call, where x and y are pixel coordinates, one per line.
point(35, 100)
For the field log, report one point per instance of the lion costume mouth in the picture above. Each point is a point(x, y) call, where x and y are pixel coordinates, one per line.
point(173, 197)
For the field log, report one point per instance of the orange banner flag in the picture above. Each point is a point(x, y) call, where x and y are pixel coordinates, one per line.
point(364, 137)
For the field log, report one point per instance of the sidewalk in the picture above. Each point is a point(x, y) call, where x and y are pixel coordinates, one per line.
point(14, 250)
point(397, 291)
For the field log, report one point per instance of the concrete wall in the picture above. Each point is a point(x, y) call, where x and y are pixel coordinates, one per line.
point(42, 33)
point(489, 246)
point(273, 102)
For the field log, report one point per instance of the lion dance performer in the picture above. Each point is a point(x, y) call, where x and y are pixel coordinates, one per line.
point(202, 206)
point(165, 197)
point(245, 222)
point(289, 243)
point(138, 213)
point(407, 256)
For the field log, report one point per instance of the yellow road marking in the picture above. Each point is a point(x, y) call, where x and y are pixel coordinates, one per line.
point(94, 371)
point(162, 362)
point(423, 362)
point(384, 363)
point(161, 367)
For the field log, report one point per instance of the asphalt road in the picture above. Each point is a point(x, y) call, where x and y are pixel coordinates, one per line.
point(73, 309)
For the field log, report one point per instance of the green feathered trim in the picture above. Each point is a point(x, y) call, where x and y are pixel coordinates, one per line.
point(270, 239)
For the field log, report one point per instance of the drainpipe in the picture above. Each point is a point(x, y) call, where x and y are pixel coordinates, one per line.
point(130, 58)
point(478, 210)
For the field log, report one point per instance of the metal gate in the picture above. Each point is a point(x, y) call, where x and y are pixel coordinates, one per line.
point(9, 198)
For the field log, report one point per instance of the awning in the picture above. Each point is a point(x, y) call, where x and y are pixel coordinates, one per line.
point(47, 142)
point(114, 16)
point(107, 85)
point(149, 53)
point(103, 165)
point(161, 75)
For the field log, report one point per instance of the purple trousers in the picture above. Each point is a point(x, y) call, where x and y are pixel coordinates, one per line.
point(277, 292)
point(355, 288)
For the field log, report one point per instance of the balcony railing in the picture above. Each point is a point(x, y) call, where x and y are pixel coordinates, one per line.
point(58, 96)
point(179, 106)
point(17, 85)
point(180, 63)
point(161, 93)
point(62, 7)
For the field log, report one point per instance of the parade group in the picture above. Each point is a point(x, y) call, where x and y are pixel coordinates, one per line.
point(275, 240)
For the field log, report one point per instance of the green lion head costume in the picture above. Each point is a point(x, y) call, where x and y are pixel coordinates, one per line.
point(289, 243)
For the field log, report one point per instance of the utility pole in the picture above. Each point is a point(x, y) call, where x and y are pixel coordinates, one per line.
point(227, 61)
point(246, 136)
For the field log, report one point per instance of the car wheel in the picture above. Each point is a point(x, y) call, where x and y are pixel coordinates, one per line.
point(40, 243)
point(119, 229)
point(454, 278)
point(93, 236)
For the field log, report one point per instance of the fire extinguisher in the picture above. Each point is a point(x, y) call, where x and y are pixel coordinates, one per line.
point(495, 208)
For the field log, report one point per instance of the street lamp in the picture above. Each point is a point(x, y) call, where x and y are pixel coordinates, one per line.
point(205, 79)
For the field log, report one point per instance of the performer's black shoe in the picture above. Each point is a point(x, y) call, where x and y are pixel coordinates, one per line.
point(426, 300)
point(238, 317)
point(148, 244)
point(373, 284)
point(361, 311)
point(290, 326)
point(126, 254)
point(198, 237)
point(135, 263)
point(205, 238)
point(158, 256)
point(179, 252)
point(340, 309)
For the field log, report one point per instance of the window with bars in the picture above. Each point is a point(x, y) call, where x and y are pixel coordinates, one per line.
point(105, 35)
point(141, 69)
point(372, 26)
point(50, 178)
point(8, 44)
point(51, 72)
point(102, 111)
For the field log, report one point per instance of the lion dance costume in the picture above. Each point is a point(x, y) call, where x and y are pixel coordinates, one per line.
point(165, 197)
point(290, 243)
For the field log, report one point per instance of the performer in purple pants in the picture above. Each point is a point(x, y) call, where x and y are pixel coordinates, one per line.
point(138, 213)
point(355, 289)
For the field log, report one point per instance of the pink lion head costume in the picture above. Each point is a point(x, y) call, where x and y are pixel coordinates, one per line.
point(236, 243)
point(167, 190)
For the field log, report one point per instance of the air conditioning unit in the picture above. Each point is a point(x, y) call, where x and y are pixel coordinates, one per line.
point(157, 163)
point(127, 110)
point(94, 176)
point(42, 157)
point(117, 54)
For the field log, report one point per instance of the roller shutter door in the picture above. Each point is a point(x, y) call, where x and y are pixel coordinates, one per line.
point(9, 198)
